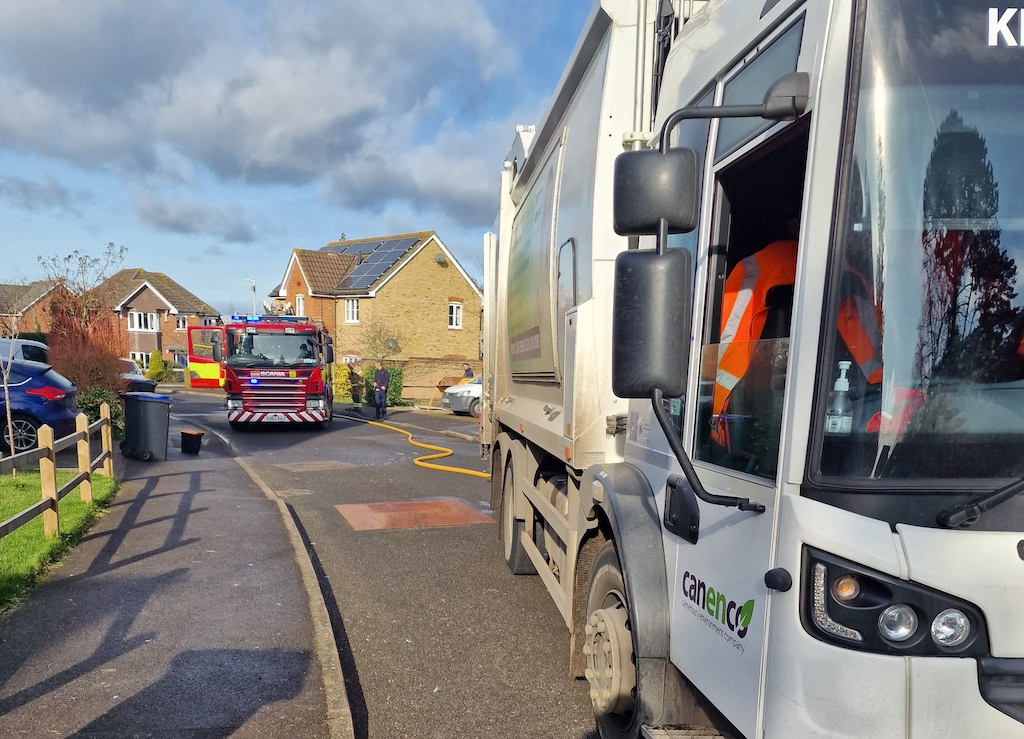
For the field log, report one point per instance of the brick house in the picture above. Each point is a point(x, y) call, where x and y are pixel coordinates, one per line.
point(154, 313)
point(26, 308)
point(410, 283)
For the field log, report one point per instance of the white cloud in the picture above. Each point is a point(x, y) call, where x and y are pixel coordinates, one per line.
point(375, 102)
point(184, 217)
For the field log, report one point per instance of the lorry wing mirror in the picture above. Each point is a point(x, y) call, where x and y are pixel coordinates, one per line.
point(218, 348)
point(650, 186)
point(329, 353)
point(651, 323)
point(786, 99)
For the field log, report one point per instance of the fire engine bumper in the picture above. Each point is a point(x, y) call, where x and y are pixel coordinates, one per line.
point(307, 416)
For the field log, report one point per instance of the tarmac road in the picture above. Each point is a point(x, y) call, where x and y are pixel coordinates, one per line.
point(437, 638)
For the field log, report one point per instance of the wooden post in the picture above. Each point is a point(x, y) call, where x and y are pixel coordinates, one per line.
point(108, 445)
point(48, 482)
point(84, 457)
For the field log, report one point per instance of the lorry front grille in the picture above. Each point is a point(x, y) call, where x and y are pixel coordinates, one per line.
point(278, 394)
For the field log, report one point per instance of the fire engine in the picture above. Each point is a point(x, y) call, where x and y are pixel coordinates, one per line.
point(277, 369)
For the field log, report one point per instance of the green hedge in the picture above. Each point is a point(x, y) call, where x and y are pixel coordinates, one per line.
point(396, 377)
point(89, 402)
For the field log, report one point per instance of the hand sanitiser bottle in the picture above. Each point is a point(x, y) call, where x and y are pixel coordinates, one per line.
point(839, 415)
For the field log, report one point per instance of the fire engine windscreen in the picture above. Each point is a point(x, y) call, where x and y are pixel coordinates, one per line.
point(925, 377)
point(265, 349)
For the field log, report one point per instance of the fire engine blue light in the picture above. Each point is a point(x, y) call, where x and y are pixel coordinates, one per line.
point(253, 381)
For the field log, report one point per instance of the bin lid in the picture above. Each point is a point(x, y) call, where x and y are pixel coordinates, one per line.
point(148, 396)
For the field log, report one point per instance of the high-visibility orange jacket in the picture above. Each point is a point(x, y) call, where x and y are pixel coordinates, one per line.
point(859, 324)
point(744, 311)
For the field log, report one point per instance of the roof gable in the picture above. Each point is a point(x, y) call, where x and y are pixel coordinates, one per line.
point(124, 285)
point(15, 299)
point(322, 270)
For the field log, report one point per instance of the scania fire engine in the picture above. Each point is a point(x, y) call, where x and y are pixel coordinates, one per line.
point(277, 369)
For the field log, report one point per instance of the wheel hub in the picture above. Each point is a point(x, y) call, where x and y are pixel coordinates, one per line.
point(610, 668)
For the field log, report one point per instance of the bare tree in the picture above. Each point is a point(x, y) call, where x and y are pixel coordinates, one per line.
point(85, 342)
point(381, 338)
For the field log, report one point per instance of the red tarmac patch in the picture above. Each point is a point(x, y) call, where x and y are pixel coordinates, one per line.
point(413, 514)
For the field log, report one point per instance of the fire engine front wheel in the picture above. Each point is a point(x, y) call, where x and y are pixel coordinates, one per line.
point(239, 425)
point(609, 649)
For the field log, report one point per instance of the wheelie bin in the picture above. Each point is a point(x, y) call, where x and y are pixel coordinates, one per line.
point(146, 419)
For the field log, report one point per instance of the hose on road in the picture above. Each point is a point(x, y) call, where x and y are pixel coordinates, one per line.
point(425, 460)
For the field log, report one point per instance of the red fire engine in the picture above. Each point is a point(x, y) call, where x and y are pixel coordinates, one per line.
point(277, 369)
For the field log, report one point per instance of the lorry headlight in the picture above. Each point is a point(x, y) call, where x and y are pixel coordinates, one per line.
point(951, 628)
point(234, 405)
point(315, 404)
point(898, 622)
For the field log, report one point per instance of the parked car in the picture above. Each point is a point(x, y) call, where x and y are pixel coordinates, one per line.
point(464, 398)
point(24, 350)
point(134, 379)
point(39, 395)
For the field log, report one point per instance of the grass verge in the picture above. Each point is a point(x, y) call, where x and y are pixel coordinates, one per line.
point(25, 554)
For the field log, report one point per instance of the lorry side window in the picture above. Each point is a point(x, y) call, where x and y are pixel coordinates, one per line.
point(749, 312)
point(748, 86)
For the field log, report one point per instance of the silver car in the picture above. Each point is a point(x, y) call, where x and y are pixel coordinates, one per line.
point(464, 397)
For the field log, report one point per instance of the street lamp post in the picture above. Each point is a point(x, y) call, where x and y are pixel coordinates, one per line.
point(253, 281)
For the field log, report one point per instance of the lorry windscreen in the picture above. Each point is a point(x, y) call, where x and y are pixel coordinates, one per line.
point(922, 375)
point(271, 349)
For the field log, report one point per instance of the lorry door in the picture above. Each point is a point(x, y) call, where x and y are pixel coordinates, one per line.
point(203, 370)
point(734, 413)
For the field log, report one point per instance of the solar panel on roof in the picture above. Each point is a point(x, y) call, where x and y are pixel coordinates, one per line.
point(377, 263)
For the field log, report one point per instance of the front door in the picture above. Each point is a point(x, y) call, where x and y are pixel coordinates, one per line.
point(734, 417)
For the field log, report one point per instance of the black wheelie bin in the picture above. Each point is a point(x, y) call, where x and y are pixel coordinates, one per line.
point(146, 419)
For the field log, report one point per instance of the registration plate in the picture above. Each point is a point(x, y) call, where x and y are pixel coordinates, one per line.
point(276, 417)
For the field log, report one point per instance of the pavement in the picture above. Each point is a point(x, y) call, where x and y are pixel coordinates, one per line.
point(190, 610)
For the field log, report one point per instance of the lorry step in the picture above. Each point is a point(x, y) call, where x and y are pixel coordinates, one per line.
point(680, 732)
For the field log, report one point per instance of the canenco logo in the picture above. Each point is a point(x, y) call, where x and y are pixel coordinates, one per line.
point(718, 606)
point(999, 26)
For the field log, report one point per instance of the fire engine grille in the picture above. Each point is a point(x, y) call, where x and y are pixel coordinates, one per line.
point(278, 394)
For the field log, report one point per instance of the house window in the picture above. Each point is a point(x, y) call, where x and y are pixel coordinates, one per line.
point(180, 323)
point(352, 310)
point(300, 305)
point(140, 358)
point(455, 315)
point(142, 321)
point(209, 321)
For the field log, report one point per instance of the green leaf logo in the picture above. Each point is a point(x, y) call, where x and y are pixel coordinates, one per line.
point(746, 613)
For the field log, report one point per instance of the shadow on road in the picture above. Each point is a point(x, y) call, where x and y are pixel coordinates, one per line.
point(353, 687)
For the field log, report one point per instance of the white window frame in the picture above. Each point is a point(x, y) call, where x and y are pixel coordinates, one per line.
point(181, 323)
point(209, 321)
point(351, 310)
point(455, 315)
point(143, 322)
point(300, 305)
point(140, 358)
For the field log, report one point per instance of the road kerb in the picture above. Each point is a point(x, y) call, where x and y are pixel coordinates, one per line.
point(339, 716)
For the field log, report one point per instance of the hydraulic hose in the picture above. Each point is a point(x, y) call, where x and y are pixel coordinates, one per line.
point(425, 460)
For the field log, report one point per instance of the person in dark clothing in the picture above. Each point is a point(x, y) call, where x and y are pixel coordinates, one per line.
point(467, 371)
point(380, 391)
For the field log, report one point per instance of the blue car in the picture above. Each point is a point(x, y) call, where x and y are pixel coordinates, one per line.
point(39, 395)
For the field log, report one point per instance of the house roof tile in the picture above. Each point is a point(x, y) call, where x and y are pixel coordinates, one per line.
point(19, 298)
point(120, 287)
point(324, 269)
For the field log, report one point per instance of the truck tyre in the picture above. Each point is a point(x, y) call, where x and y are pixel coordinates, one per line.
point(239, 425)
point(326, 423)
point(609, 649)
point(518, 561)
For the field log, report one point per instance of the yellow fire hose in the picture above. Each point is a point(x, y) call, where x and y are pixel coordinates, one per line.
point(424, 461)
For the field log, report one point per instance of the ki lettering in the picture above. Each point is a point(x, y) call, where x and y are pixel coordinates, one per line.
point(1001, 24)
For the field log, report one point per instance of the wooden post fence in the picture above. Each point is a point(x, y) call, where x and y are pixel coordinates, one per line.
point(45, 454)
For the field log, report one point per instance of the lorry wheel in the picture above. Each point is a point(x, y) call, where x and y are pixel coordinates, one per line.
point(326, 423)
point(238, 425)
point(518, 561)
point(609, 649)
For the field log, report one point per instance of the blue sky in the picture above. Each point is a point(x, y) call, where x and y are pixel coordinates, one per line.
point(210, 139)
